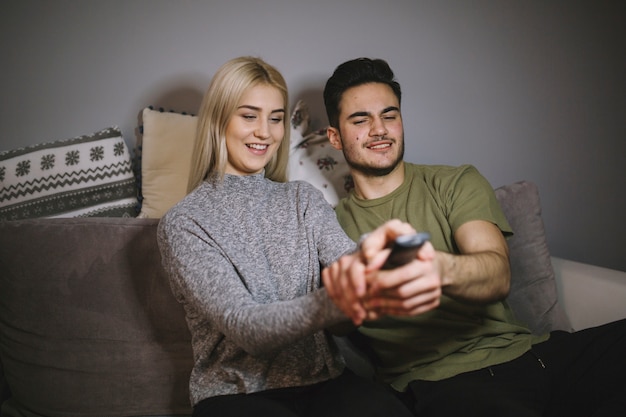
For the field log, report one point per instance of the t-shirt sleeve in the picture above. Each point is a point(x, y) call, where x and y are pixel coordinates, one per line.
point(469, 196)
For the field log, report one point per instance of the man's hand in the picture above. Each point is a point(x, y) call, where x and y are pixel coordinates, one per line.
point(346, 279)
point(480, 274)
point(409, 290)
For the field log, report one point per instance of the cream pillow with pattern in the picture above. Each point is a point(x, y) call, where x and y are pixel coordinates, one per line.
point(313, 159)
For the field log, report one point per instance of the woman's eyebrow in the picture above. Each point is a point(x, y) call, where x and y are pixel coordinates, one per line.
point(255, 108)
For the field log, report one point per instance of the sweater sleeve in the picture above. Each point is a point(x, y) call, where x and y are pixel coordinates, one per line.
point(332, 241)
point(206, 282)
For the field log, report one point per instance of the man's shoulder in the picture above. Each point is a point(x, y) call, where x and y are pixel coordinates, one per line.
point(433, 177)
point(443, 177)
point(343, 204)
point(439, 171)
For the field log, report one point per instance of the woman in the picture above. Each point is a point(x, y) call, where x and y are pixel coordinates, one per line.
point(243, 251)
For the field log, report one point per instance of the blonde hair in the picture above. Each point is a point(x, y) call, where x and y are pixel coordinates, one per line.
point(220, 102)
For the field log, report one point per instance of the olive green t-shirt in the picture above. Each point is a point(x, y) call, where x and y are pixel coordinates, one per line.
point(456, 337)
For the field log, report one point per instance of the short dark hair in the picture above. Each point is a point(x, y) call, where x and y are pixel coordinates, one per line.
point(354, 73)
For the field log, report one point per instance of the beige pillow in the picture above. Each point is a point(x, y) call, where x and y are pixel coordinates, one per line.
point(167, 145)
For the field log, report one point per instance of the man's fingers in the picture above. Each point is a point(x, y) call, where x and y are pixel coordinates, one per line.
point(381, 237)
point(376, 261)
point(383, 280)
point(411, 289)
point(417, 304)
point(426, 252)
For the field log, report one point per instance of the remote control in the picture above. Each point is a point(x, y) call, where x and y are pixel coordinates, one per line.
point(404, 249)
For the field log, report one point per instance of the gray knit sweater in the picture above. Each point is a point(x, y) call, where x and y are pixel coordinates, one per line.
point(243, 256)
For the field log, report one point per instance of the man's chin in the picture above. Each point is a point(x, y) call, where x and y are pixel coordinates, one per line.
point(373, 171)
point(377, 170)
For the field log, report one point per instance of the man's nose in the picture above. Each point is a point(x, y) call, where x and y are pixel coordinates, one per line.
point(378, 128)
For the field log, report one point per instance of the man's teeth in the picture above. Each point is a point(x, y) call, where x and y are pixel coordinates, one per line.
point(384, 145)
point(257, 146)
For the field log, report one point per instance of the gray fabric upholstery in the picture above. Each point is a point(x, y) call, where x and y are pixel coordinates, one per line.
point(533, 296)
point(89, 326)
point(88, 323)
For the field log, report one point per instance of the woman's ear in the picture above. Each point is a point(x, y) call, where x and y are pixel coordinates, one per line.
point(334, 137)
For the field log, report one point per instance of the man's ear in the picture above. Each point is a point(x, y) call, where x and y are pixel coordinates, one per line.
point(334, 137)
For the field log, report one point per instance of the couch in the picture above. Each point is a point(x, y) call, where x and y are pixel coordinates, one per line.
point(89, 327)
point(88, 323)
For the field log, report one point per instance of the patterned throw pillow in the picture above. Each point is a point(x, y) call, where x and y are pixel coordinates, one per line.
point(313, 159)
point(86, 176)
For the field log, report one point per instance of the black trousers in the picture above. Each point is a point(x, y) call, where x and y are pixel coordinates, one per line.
point(345, 396)
point(571, 374)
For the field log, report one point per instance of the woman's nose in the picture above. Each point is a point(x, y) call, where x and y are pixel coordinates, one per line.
point(262, 131)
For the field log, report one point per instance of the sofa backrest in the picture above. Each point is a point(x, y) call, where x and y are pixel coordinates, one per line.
point(88, 322)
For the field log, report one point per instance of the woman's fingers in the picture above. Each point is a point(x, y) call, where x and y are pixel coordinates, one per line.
point(345, 282)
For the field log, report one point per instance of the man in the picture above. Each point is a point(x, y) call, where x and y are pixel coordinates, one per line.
point(438, 328)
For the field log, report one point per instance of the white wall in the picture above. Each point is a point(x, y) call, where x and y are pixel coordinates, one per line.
point(522, 89)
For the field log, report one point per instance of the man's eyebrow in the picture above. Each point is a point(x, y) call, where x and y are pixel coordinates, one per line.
point(365, 113)
point(359, 114)
point(390, 108)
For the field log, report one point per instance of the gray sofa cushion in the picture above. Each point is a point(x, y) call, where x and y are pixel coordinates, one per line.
point(533, 296)
point(89, 326)
point(88, 323)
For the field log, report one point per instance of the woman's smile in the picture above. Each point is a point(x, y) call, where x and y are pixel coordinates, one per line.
point(257, 124)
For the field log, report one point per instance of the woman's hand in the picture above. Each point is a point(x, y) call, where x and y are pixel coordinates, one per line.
point(408, 290)
point(345, 284)
point(362, 291)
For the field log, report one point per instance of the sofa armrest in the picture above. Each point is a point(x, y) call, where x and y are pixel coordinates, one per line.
point(591, 295)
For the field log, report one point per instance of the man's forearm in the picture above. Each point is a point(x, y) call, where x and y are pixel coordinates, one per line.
point(481, 277)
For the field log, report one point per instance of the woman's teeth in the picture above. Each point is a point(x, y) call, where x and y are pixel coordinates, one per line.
point(257, 146)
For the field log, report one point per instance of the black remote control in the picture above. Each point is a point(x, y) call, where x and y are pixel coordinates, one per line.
point(404, 249)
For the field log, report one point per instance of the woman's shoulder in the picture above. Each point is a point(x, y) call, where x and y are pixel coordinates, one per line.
point(192, 202)
point(304, 189)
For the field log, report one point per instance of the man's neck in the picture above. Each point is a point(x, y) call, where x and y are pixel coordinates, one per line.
point(370, 187)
